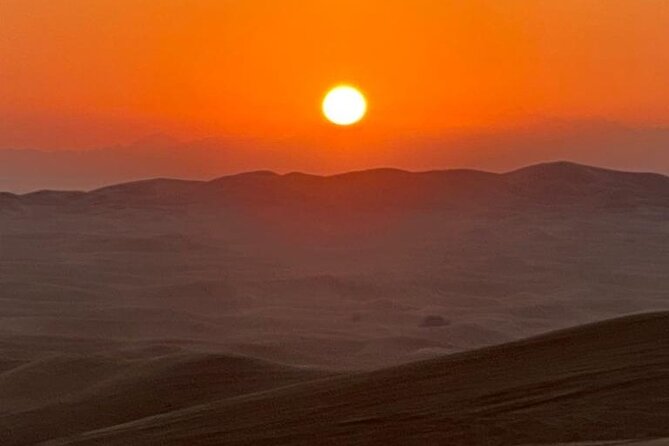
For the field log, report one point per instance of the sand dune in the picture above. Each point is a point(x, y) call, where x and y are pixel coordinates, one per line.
point(339, 271)
point(70, 394)
point(605, 381)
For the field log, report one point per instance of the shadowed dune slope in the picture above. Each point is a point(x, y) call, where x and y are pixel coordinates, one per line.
point(127, 389)
point(603, 381)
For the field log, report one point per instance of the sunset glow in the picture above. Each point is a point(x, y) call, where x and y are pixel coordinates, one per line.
point(475, 84)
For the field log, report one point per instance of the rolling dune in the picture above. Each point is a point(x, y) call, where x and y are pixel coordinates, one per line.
point(606, 381)
point(70, 394)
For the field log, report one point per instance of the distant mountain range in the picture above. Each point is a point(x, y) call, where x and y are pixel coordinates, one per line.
point(592, 142)
point(550, 184)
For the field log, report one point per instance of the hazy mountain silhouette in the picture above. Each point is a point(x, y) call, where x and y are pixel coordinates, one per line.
point(545, 184)
point(589, 141)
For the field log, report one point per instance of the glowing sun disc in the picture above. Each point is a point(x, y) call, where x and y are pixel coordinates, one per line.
point(344, 105)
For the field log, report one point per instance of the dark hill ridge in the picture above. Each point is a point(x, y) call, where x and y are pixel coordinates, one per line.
point(565, 181)
point(603, 381)
point(559, 183)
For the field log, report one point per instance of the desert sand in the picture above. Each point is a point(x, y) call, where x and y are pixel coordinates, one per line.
point(604, 381)
point(373, 307)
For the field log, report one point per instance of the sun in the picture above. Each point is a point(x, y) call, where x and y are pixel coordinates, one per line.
point(344, 105)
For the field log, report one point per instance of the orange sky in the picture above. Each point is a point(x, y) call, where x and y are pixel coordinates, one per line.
point(86, 73)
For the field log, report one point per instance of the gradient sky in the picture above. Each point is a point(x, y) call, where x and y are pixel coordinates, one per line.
point(78, 74)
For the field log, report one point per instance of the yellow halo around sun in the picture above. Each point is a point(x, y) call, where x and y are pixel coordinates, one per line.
point(344, 105)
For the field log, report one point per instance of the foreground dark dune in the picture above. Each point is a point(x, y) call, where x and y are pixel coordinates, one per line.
point(68, 394)
point(605, 381)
